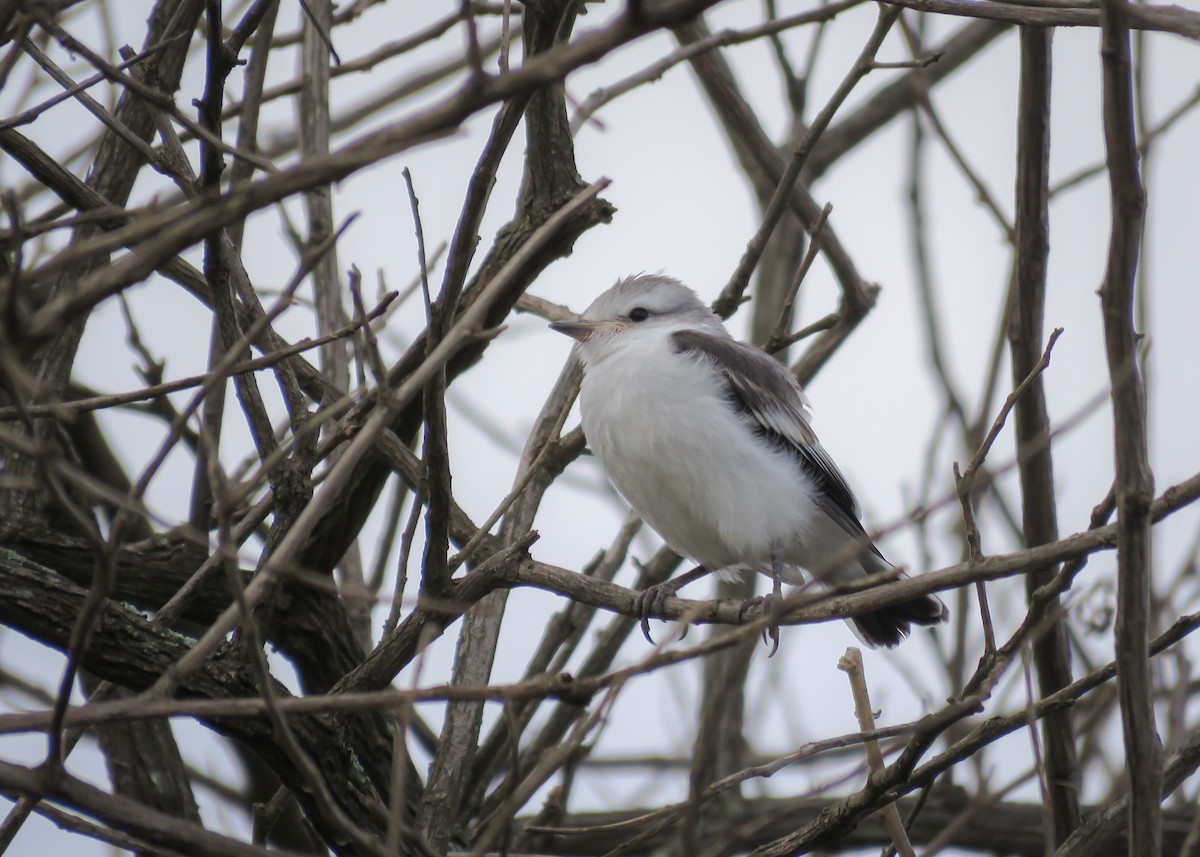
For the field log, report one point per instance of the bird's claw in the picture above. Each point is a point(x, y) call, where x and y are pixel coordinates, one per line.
point(652, 601)
point(757, 607)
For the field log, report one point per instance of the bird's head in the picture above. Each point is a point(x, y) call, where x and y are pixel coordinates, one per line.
point(647, 305)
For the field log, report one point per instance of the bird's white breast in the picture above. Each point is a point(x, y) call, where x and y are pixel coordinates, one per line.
point(677, 451)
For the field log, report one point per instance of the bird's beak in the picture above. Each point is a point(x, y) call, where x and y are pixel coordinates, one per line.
point(580, 330)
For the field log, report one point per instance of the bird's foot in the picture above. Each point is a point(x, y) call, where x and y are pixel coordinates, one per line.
point(763, 605)
point(652, 601)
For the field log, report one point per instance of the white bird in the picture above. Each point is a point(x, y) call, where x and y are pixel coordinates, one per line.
point(709, 440)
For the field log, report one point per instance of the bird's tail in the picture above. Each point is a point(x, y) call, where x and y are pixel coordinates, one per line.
point(888, 626)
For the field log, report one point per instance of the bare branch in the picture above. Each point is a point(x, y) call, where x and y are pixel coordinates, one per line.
point(1135, 481)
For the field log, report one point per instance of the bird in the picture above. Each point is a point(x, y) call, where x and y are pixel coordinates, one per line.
point(710, 440)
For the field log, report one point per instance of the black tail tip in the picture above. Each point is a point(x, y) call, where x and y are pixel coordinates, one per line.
point(889, 626)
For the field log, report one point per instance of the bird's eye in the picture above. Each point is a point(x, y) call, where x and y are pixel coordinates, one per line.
point(639, 313)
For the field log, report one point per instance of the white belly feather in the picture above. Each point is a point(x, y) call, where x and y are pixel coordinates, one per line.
point(686, 462)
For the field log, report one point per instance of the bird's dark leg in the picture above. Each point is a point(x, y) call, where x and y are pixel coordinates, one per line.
point(764, 604)
point(653, 599)
point(772, 630)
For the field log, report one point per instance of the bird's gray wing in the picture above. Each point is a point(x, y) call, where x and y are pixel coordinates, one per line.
point(764, 392)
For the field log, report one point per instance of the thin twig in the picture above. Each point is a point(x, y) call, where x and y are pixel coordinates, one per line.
point(851, 664)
